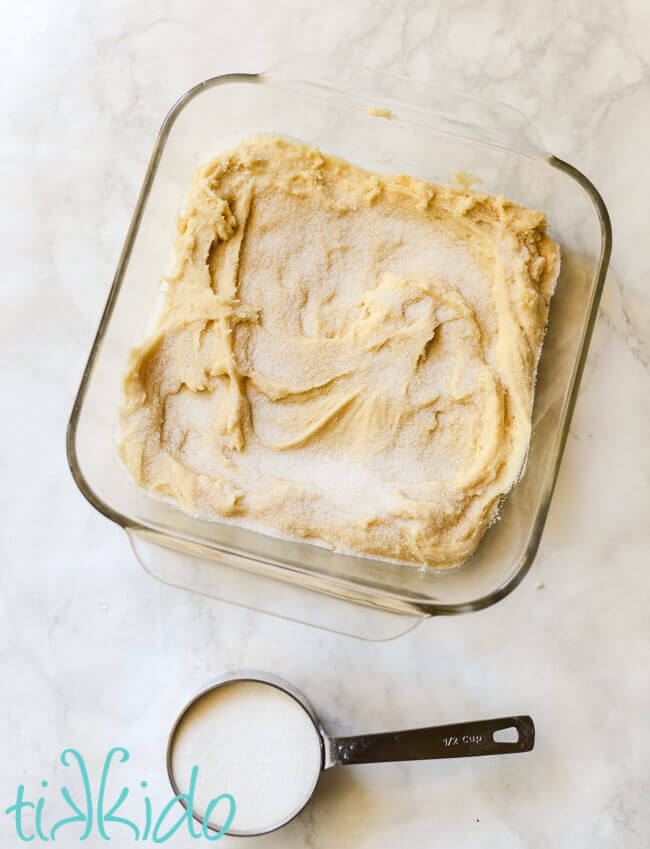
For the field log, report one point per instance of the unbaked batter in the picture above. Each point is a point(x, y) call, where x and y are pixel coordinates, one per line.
point(341, 357)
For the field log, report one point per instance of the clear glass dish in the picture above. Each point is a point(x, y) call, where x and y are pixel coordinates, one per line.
point(433, 133)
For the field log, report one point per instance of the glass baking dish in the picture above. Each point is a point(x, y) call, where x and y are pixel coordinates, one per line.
point(433, 133)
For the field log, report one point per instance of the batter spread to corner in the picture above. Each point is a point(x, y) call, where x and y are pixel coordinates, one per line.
point(341, 357)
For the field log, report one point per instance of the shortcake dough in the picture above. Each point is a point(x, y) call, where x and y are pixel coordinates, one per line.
point(342, 357)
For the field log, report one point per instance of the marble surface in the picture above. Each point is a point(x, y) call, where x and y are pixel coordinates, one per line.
point(94, 653)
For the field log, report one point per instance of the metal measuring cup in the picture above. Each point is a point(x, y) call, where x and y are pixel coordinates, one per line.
point(455, 740)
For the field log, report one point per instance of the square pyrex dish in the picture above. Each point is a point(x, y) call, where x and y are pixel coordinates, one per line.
point(433, 133)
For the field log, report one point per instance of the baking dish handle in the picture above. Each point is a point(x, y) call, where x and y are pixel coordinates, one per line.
point(438, 107)
point(239, 580)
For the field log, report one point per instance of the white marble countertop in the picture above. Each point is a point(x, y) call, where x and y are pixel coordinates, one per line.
point(96, 654)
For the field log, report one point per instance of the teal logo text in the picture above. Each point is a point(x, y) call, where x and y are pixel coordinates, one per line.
point(92, 812)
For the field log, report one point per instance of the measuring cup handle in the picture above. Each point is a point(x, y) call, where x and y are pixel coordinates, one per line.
point(459, 740)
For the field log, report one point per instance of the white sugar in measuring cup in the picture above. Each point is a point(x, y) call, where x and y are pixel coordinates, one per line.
point(254, 736)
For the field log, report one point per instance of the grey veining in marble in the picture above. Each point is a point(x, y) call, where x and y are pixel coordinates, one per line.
point(94, 653)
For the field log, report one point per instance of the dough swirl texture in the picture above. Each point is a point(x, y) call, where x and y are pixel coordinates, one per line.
point(341, 357)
